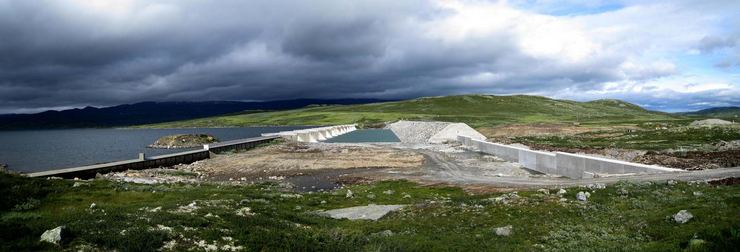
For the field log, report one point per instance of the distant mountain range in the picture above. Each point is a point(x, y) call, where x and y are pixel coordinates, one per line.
point(152, 112)
point(724, 112)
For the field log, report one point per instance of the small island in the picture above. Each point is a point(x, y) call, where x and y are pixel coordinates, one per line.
point(183, 141)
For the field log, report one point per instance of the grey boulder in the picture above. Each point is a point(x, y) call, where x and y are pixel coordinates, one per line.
point(682, 217)
point(503, 231)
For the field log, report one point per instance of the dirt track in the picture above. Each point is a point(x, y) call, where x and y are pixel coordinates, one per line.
point(449, 171)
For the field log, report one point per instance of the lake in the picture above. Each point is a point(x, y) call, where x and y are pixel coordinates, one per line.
point(366, 136)
point(40, 150)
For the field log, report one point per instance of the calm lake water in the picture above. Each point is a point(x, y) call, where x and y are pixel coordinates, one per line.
point(40, 150)
point(366, 136)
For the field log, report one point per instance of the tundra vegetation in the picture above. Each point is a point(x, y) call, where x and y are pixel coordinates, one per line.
point(265, 216)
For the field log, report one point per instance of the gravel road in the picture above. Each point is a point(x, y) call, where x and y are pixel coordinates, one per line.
point(448, 167)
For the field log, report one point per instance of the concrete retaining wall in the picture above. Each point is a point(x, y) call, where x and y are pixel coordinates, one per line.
point(186, 157)
point(582, 166)
point(560, 163)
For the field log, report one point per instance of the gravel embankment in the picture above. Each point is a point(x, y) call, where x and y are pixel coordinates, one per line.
point(416, 132)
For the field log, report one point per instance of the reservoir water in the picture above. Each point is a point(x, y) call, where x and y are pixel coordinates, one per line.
point(366, 136)
point(40, 150)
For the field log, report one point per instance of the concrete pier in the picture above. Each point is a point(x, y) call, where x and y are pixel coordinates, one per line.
point(313, 135)
point(560, 163)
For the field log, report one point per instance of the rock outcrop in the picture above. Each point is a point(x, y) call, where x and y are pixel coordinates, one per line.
point(53, 235)
point(183, 141)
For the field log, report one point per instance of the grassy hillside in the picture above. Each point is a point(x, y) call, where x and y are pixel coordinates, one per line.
point(476, 110)
point(262, 217)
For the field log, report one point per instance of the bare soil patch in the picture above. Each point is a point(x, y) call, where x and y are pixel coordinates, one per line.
point(290, 159)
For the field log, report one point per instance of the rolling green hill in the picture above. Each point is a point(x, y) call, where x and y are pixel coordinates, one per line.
point(719, 112)
point(476, 110)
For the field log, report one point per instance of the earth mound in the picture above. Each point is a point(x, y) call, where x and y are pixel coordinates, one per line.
point(183, 141)
point(710, 122)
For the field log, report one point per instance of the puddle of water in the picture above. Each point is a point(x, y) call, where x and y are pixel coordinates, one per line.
point(325, 180)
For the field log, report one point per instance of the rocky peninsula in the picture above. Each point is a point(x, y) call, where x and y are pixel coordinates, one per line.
point(183, 141)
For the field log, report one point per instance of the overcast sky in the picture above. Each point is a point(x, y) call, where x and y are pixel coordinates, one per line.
point(665, 55)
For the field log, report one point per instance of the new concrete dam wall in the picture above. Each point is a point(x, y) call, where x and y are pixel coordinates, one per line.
point(313, 135)
point(560, 163)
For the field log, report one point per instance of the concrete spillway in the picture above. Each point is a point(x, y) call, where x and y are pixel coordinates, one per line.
point(313, 135)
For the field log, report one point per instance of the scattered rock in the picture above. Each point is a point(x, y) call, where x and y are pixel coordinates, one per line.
point(682, 217)
point(384, 233)
point(581, 196)
point(350, 194)
point(291, 196)
point(596, 186)
point(698, 194)
point(388, 192)
point(53, 235)
point(93, 206)
point(323, 202)
point(188, 208)
point(561, 192)
point(506, 198)
point(672, 182)
point(544, 191)
point(503, 231)
point(369, 212)
point(623, 192)
point(244, 211)
point(371, 196)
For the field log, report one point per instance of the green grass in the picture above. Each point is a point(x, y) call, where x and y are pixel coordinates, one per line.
point(475, 110)
point(437, 218)
point(689, 138)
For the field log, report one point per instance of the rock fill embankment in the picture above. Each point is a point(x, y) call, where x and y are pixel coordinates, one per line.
point(432, 132)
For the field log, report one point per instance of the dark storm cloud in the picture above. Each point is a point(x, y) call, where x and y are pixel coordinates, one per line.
point(66, 53)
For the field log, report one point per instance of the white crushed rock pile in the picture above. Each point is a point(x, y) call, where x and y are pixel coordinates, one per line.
point(416, 132)
point(431, 132)
point(710, 122)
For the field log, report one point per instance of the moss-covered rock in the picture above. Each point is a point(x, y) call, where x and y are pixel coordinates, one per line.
point(183, 141)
